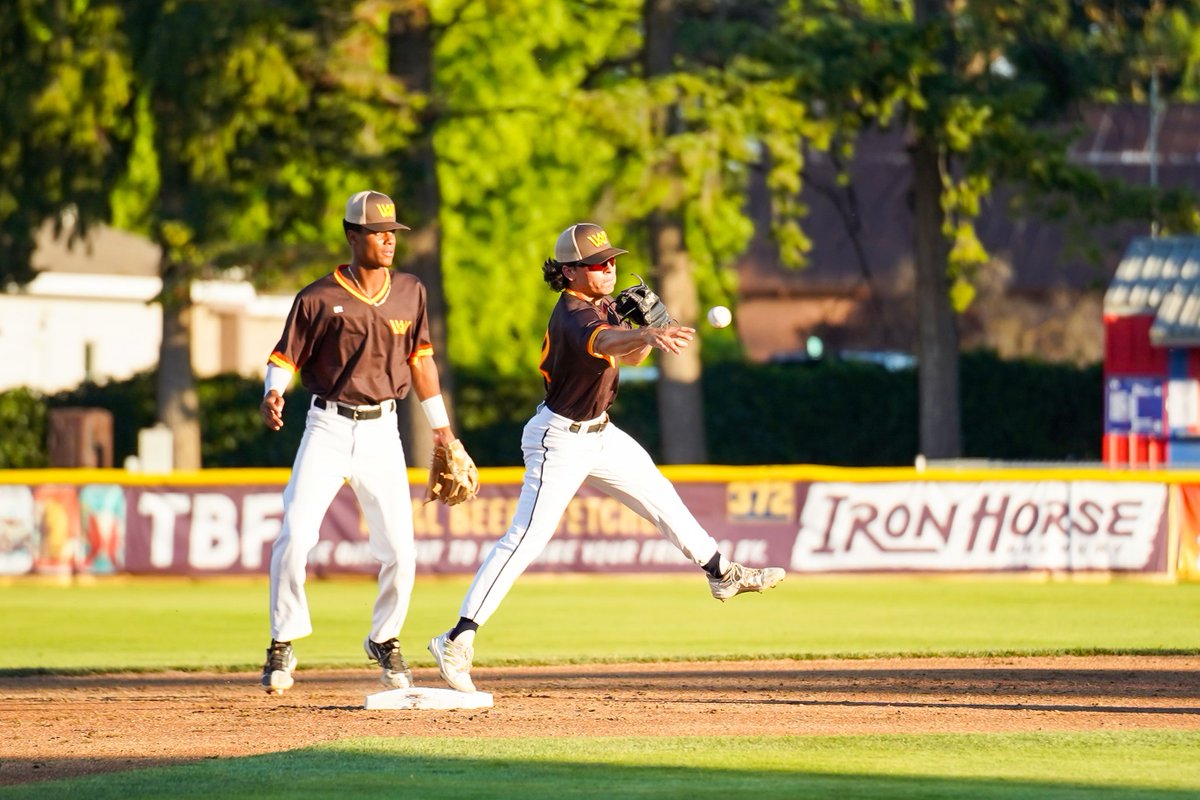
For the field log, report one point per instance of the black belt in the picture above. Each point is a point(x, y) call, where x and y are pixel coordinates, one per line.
point(351, 412)
point(575, 427)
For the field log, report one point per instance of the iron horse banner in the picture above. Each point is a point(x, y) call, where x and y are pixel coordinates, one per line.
point(991, 525)
point(807, 519)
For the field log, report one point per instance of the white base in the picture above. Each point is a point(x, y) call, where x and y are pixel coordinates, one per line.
point(420, 697)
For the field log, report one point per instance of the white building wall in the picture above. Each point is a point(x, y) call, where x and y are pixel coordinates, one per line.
point(48, 328)
point(233, 328)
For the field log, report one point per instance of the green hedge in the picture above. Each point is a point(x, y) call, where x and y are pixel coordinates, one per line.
point(23, 422)
point(842, 413)
point(1028, 410)
point(830, 412)
point(857, 414)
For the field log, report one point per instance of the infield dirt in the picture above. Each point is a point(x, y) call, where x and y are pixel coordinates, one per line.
point(61, 726)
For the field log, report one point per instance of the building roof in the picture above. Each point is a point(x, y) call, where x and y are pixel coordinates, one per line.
point(1160, 277)
point(1114, 140)
point(105, 251)
point(1036, 255)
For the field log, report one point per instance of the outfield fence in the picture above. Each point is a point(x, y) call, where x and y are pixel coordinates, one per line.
point(810, 519)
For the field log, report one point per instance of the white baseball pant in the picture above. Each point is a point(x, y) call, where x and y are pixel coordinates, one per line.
point(368, 454)
point(557, 463)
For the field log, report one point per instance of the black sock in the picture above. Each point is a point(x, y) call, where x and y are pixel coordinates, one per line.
point(713, 567)
point(463, 626)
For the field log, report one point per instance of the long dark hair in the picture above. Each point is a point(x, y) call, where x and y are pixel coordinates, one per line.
point(552, 273)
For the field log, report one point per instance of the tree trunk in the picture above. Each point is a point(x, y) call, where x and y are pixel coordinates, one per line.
point(410, 58)
point(937, 336)
point(175, 382)
point(680, 399)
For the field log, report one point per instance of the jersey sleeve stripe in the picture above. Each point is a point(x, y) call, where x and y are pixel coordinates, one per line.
point(280, 360)
point(421, 352)
point(612, 362)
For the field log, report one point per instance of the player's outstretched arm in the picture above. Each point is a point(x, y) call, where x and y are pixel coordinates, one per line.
point(631, 346)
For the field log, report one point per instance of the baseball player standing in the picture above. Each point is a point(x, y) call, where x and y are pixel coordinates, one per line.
point(359, 337)
point(571, 441)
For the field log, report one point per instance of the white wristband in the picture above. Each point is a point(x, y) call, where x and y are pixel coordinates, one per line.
point(278, 379)
point(435, 411)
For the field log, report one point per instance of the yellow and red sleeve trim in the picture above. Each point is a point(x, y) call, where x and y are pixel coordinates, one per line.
point(342, 276)
point(425, 351)
point(612, 362)
point(280, 360)
point(545, 354)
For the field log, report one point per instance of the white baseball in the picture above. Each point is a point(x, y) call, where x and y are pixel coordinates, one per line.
point(719, 316)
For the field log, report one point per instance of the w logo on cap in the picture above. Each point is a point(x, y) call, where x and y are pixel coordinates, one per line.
point(584, 240)
point(374, 211)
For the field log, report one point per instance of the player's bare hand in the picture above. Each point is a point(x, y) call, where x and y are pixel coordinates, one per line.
point(271, 410)
point(671, 339)
point(443, 436)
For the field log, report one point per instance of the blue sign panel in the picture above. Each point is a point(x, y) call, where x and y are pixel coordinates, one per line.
point(1134, 405)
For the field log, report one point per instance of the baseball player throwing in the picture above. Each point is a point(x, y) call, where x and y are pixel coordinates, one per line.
point(571, 441)
point(359, 337)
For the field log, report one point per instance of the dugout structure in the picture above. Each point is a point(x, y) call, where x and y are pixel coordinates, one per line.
point(1152, 355)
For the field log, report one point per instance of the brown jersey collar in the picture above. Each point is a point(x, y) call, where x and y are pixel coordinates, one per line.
point(343, 277)
point(590, 301)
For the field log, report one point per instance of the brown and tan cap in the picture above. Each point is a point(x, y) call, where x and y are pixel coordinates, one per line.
point(584, 243)
point(374, 211)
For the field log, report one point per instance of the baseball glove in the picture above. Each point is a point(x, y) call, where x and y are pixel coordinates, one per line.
point(641, 306)
point(453, 478)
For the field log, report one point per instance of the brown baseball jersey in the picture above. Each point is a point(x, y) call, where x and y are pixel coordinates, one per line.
point(580, 383)
point(351, 348)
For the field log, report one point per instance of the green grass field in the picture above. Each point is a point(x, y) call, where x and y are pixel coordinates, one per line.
point(1158, 765)
point(223, 624)
point(158, 624)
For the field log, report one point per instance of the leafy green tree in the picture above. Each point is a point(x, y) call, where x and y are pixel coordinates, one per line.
point(518, 160)
point(261, 119)
point(557, 112)
point(538, 121)
point(690, 137)
point(982, 90)
point(64, 88)
point(228, 132)
point(543, 118)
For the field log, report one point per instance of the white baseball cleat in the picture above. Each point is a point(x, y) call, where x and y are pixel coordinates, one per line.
point(277, 672)
point(453, 661)
point(394, 672)
point(744, 579)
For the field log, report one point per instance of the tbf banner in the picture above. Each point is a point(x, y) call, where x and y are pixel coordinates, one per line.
point(761, 520)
